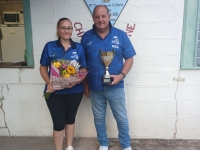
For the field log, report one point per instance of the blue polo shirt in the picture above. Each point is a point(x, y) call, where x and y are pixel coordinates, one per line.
point(116, 40)
point(54, 50)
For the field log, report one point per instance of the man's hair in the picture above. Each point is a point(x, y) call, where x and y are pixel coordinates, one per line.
point(100, 6)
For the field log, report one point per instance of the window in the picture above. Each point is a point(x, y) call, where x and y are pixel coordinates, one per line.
point(12, 32)
point(190, 53)
point(28, 33)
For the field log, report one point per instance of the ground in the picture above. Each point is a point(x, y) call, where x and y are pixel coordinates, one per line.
point(46, 143)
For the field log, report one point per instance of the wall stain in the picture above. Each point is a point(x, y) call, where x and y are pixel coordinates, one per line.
point(177, 86)
point(8, 89)
point(20, 73)
point(2, 98)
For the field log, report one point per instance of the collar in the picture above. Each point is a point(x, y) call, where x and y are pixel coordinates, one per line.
point(95, 28)
point(73, 44)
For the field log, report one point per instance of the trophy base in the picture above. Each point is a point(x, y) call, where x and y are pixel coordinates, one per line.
point(107, 80)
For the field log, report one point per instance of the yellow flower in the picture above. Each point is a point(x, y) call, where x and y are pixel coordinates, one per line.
point(57, 64)
point(71, 70)
point(67, 76)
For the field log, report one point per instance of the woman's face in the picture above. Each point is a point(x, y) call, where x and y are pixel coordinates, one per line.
point(65, 30)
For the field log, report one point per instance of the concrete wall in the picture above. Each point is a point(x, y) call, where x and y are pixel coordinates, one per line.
point(158, 105)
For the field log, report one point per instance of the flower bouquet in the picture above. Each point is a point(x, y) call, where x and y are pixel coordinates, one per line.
point(62, 73)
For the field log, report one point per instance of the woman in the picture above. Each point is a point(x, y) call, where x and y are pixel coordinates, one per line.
point(63, 104)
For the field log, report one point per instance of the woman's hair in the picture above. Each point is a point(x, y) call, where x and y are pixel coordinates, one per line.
point(61, 19)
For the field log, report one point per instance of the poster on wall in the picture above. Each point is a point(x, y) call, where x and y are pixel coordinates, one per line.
point(115, 7)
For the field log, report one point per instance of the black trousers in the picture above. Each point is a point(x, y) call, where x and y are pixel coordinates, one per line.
point(63, 108)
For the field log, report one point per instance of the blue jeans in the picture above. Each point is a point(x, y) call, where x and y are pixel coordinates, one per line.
point(116, 100)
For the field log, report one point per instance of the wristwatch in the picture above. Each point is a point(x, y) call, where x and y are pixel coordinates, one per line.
point(123, 74)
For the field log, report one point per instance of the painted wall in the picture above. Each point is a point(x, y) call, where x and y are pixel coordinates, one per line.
point(158, 105)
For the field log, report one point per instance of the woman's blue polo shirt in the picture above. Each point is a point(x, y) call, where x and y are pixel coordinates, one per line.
point(55, 50)
point(116, 40)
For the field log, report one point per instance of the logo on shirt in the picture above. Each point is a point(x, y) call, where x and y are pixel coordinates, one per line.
point(115, 42)
point(74, 55)
point(89, 43)
point(115, 46)
point(52, 55)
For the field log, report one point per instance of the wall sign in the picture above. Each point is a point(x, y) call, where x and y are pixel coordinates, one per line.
point(115, 7)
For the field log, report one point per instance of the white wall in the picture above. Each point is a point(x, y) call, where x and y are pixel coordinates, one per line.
point(158, 106)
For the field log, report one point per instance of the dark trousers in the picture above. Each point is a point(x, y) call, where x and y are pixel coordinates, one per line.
point(63, 109)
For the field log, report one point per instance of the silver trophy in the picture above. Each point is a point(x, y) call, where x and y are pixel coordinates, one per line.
point(107, 58)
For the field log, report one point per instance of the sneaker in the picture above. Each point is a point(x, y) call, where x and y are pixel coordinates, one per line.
point(129, 148)
point(103, 148)
point(69, 148)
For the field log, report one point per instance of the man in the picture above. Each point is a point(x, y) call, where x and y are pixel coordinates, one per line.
point(104, 37)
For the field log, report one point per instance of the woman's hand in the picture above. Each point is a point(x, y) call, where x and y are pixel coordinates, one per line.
point(50, 88)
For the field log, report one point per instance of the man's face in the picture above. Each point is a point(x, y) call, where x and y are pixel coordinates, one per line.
point(101, 18)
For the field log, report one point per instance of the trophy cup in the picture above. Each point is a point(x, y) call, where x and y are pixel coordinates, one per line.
point(107, 58)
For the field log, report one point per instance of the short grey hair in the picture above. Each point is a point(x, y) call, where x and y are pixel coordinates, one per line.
point(101, 6)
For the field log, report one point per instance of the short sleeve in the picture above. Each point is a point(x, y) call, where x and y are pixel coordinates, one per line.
point(45, 60)
point(82, 59)
point(128, 49)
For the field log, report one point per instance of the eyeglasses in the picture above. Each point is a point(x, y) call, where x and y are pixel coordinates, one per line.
point(63, 29)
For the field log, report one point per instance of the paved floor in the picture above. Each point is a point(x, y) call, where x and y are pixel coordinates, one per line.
point(46, 143)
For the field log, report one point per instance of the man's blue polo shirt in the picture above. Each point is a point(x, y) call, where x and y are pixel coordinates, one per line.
point(116, 40)
point(55, 50)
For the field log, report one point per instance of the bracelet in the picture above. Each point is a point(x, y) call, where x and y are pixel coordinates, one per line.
point(123, 74)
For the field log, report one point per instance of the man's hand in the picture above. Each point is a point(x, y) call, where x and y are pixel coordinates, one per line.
point(116, 79)
point(86, 88)
point(86, 92)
